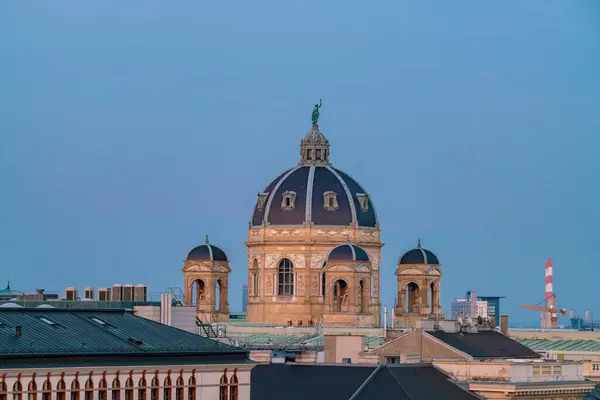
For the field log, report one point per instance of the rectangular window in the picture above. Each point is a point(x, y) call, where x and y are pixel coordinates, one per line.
point(392, 360)
point(536, 370)
point(318, 154)
point(546, 370)
point(308, 154)
point(255, 284)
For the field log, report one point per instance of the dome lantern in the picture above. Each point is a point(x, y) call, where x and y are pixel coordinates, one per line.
point(314, 148)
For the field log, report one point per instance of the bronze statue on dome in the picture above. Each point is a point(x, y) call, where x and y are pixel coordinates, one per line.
point(315, 113)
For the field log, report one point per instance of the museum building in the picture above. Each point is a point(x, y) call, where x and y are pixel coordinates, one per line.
point(313, 255)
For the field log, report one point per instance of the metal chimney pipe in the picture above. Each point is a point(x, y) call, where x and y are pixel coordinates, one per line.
point(504, 324)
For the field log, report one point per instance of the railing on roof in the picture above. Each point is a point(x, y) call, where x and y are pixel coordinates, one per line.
point(80, 304)
point(178, 296)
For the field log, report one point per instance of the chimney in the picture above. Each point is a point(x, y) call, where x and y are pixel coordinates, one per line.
point(18, 330)
point(504, 324)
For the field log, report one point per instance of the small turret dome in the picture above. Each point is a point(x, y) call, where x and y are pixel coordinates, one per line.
point(348, 252)
point(419, 256)
point(206, 252)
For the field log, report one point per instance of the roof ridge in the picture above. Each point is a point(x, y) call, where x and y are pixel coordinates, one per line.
point(366, 382)
point(398, 382)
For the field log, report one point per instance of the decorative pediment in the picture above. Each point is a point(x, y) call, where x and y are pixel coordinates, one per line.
point(348, 268)
point(221, 268)
point(207, 268)
point(339, 268)
point(433, 271)
point(197, 268)
point(412, 271)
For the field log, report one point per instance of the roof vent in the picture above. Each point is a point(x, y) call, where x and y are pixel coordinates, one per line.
point(134, 340)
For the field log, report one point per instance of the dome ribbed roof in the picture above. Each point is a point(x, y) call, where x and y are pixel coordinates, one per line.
point(347, 252)
point(419, 256)
point(311, 187)
point(206, 252)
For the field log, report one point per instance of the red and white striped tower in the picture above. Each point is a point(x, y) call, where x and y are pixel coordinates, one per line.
point(549, 296)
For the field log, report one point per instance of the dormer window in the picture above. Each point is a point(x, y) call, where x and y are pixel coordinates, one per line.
point(262, 200)
point(330, 201)
point(363, 200)
point(289, 200)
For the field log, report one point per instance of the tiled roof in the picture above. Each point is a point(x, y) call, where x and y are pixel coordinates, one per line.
point(560, 345)
point(65, 332)
point(485, 344)
point(356, 382)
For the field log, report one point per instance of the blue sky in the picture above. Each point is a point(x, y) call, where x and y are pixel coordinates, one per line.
point(128, 130)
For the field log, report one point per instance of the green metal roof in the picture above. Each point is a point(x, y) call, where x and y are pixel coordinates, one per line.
point(70, 332)
point(560, 345)
point(9, 291)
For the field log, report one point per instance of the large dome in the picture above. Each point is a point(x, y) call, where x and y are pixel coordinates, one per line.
point(314, 191)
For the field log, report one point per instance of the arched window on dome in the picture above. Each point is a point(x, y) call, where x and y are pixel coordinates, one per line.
point(324, 281)
point(363, 296)
point(412, 297)
point(198, 291)
point(285, 285)
point(340, 295)
point(433, 297)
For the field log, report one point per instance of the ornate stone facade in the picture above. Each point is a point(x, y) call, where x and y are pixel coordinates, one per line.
point(297, 220)
point(419, 277)
point(206, 280)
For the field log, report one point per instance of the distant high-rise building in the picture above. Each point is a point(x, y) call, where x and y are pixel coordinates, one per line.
point(244, 297)
point(477, 306)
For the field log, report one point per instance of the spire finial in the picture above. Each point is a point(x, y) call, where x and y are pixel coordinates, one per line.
point(206, 239)
point(419, 243)
point(8, 284)
point(347, 239)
